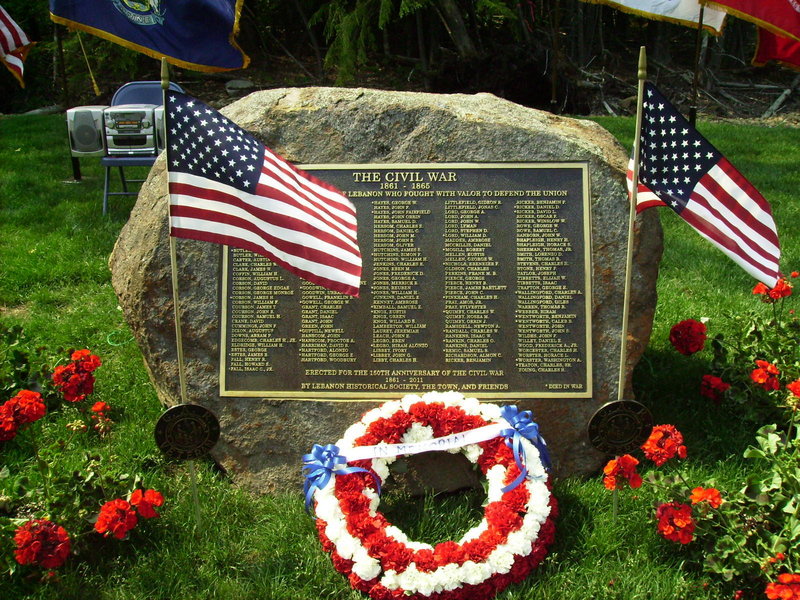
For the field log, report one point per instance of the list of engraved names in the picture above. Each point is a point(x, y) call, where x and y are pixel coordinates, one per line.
point(476, 278)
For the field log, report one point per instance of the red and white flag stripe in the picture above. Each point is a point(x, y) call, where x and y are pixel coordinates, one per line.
point(14, 45)
point(727, 216)
point(11, 35)
point(285, 228)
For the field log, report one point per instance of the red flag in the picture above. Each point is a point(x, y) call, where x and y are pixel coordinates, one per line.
point(228, 188)
point(14, 45)
point(781, 17)
point(679, 168)
point(771, 47)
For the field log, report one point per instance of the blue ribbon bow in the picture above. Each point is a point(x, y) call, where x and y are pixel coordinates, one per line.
point(522, 426)
point(320, 464)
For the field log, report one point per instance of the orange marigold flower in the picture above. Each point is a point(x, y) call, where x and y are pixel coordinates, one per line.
point(621, 469)
point(675, 522)
point(665, 442)
point(710, 495)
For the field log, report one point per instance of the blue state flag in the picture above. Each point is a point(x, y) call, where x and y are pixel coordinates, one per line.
point(193, 34)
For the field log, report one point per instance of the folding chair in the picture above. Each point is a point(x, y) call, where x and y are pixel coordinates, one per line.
point(134, 92)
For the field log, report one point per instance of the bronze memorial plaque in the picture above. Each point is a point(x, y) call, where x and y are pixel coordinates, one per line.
point(476, 278)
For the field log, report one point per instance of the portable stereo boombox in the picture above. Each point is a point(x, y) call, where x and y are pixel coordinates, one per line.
point(130, 130)
point(123, 130)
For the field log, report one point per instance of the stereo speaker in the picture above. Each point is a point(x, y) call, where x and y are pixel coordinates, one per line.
point(85, 126)
point(158, 117)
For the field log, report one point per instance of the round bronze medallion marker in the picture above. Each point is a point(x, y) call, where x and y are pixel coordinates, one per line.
point(619, 427)
point(186, 431)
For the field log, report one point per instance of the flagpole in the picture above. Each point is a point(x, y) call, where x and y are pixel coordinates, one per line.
point(696, 80)
point(623, 355)
point(173, 255)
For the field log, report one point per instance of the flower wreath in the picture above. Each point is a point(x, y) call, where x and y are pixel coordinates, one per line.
point(343, 484)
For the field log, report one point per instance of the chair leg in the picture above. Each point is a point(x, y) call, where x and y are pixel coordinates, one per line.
point(105, 190)
point(124, 181)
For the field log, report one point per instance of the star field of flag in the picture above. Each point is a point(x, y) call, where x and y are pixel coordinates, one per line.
point(677, 167)
point(673, 155)
point(228, 188)
point(206, 144)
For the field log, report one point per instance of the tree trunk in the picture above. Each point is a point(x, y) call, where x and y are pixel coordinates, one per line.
point(453, 21)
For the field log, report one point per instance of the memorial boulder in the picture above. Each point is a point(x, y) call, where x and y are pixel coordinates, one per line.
point(494, 242)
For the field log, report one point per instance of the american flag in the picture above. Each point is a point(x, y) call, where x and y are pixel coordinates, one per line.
point(679, 168)
point(14, 45)
point(228, 188)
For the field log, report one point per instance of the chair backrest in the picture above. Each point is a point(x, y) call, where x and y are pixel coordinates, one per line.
point(142, 92)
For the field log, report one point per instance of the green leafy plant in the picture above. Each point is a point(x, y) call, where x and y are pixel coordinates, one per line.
point(758, 533)
point(747, 535)
point(51, 517)
point(767, 335)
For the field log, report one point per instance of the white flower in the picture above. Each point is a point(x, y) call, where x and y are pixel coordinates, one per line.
point(417, 433)
point(365, 566)
point(500, 561)
point(448, 577)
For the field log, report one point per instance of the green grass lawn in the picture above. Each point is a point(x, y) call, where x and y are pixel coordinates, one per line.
point(55, 283)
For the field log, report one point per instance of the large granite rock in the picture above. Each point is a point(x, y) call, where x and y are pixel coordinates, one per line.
point(263, 439)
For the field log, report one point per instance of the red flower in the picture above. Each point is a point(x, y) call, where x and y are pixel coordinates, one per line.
point(766, 375)
point(8, 422)
point(24, 408)
point(88, 361)
point(75, 380)
point(777, 558)
point(782, 289)
point(794, 387)
point(786, 588)
point(675, 523)
point(795, 274)
point(710, 495)
point(760, 289)
point(29, 407)
point(144, 501)
point(116, 518)
point(688, 337)
point(665, 442)
point(101, 408)
point(621, 469)
point(713, 388)
point(43, 543)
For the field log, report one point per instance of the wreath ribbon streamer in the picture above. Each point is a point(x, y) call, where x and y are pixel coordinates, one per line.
point(522, 426)
point(324, 460)
point(320, 464)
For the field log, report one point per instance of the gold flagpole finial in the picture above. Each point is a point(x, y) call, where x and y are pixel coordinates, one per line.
point(642, 63)
point(164, 74)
